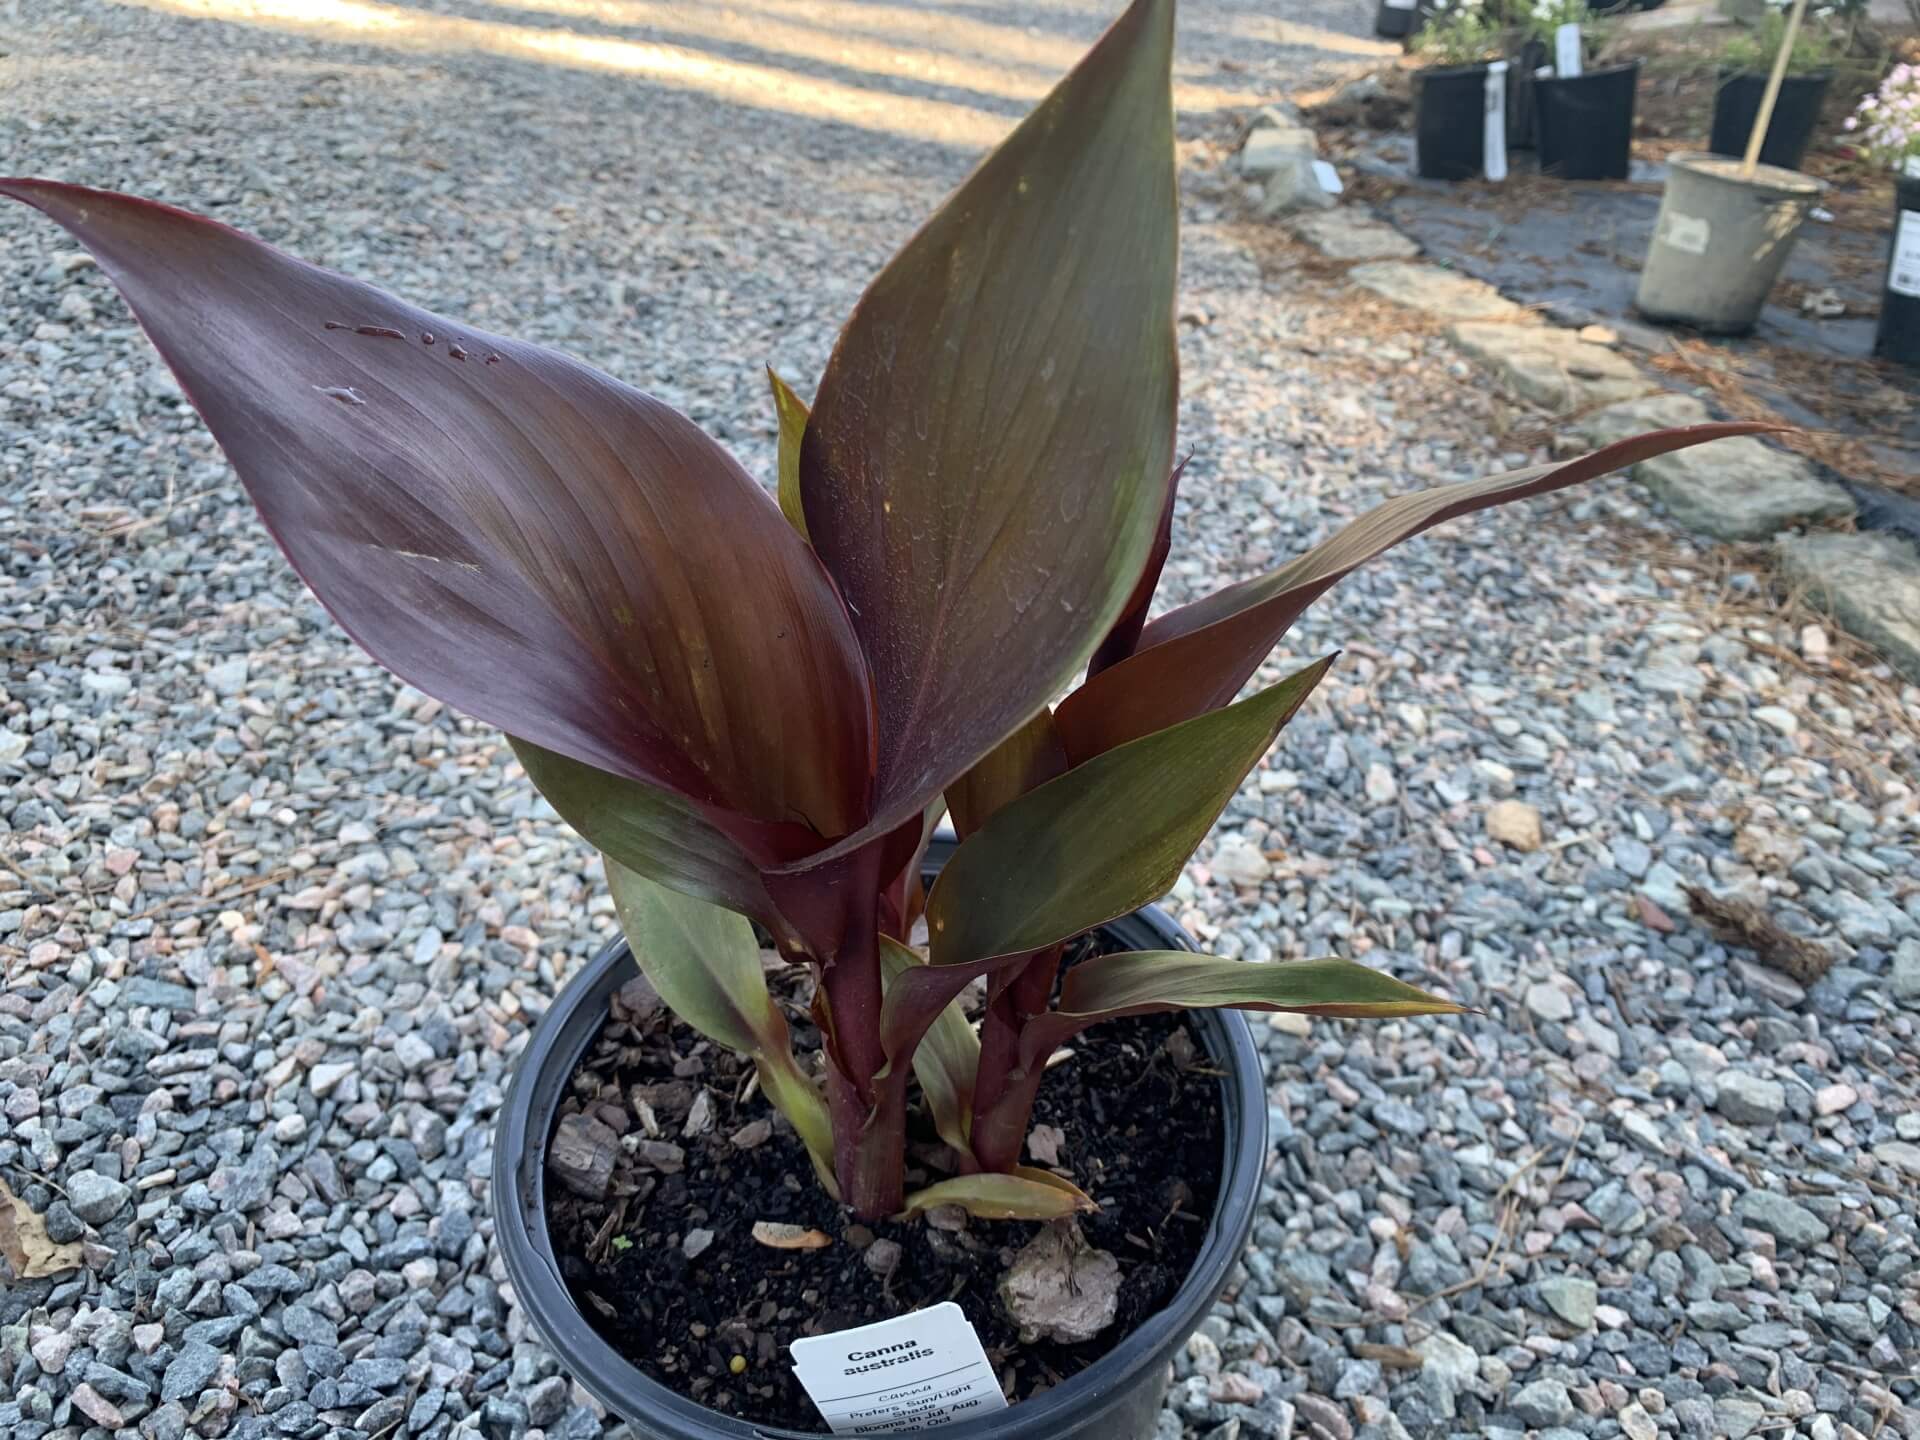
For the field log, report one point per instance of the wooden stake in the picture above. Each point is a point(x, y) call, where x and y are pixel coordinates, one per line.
point(1765, 117)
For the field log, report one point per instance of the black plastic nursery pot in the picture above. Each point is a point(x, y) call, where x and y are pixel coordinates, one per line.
point(1796, 115)
point(1450, 122)
point(1397, 21)
point(1522, 126)
point(1118, 1397)
point(1585, 123)
point(1898, 337)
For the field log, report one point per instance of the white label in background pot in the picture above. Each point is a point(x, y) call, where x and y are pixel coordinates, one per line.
point(1328, 177)
point(1566, 50)
point(908, 1373)
point(1494, 160)
point(1401, 4)
point(1912, 166)
point(1903, 276)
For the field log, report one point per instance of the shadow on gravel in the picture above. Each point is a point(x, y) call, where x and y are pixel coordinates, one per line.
point(814, 61)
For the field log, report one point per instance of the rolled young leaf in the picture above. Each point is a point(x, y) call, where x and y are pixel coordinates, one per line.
point(1125, 635)
point(1146, 982)
point(1106, 837)
point(1138, 982)
point(503, 527)
point(1029, 757)
point(705, 963)
point(793, 428)
point(1196, 658)
point(904, 897)
point(946, 1058)
point(988, 452)
point(1022, 1194)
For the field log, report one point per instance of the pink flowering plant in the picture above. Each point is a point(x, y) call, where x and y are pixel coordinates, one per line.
point(1887, 124)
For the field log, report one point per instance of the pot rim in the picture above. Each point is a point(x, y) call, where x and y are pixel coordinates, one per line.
point(1448, 71)
point(1729, 72)
point(546, 1066)
point(1770, 179)
point(1604, 72)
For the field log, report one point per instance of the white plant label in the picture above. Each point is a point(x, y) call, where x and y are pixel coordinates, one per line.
point(1495, 153)
point(1911, 165)
point(909, 1373)
point(1686, 232)
point(1903, 276)
point(1402, 4)
point(1566, 50)
point(1328, 177)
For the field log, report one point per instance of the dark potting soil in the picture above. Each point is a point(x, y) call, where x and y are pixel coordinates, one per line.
point(1138, 1102)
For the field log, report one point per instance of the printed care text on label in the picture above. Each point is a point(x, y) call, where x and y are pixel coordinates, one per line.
point(1903, 275)
point(908, 1373)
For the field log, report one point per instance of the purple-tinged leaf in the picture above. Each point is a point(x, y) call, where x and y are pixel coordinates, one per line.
point(505, 528)
point(988, 452)
point(1125, 635)
point(1196, 658)
point(904, 897)
point(1029, 757)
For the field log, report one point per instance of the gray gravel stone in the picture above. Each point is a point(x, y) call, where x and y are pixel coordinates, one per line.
point(1750, 1099)
point(190, 1372)
point(1572, 1297)
point(95, 1198)
point(1542, 1402)
point(1785, 1220)
point(288, 922)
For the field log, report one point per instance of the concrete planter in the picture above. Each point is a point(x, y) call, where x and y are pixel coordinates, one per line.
point(1721, 241)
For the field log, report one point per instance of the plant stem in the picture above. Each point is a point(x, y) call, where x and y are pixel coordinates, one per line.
point(836, 913)
point(1014, 997)
point(869, 1145)
point(1000, 1131)
point(869, 1116)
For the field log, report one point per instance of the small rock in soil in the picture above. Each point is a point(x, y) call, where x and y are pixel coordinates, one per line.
point(1060, 1288)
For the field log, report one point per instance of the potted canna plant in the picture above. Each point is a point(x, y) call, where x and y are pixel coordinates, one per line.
point(756, 707)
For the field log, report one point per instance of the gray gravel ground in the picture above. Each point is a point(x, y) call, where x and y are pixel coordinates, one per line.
point(274, 928)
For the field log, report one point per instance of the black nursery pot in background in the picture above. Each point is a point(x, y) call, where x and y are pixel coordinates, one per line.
point(1796, 115)
point(1118, 1397)
point(1450, 122)
point(1586, 123)
point(1898, 338)
point(1522, 130)
point(1397, 22)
